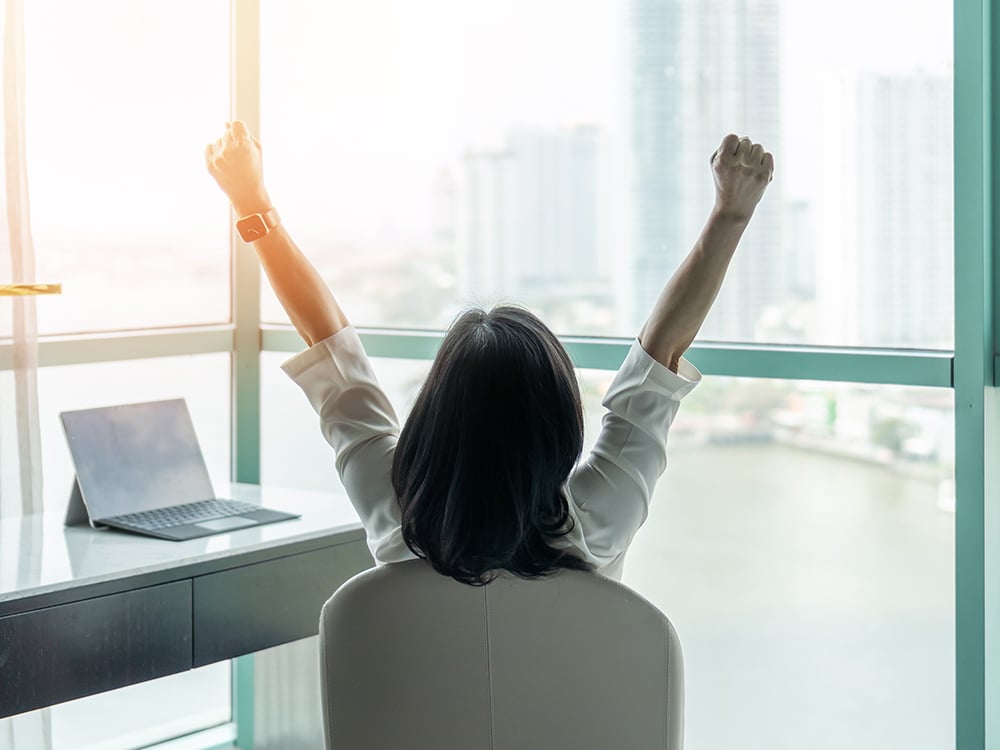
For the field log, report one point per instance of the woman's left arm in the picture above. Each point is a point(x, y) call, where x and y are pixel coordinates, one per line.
point(611, 489)
point(235, 162)
point(742, 171)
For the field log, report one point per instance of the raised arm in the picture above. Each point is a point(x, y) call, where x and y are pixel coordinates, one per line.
point(742, 171)
point(235, 162)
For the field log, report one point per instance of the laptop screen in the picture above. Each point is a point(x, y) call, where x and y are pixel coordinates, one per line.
point(136, 457)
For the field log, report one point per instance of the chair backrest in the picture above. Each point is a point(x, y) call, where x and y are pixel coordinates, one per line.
point(413, 659)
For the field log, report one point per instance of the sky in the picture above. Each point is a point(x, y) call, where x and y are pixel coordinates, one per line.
point(394, 90)
point(364, 102)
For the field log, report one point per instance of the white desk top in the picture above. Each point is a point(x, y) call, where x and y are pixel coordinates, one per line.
point(39, 555)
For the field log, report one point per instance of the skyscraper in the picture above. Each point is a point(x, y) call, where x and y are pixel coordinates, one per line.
point(884, 270)
point(533, 221)
point(484, 208)
point(699, 69)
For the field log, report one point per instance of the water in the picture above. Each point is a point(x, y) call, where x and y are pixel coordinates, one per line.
point(813, 597)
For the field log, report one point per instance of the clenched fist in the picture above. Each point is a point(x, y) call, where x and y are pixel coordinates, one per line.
point(742, 171)
point(235, 162)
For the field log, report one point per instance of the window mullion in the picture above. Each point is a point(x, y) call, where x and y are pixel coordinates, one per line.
point(888, 367)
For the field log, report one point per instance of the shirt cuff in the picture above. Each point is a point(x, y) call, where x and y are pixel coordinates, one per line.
point(639, 367)
point(343, 342)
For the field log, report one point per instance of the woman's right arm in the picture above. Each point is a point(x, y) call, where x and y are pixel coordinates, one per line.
point(235, 162)
point(335, 374)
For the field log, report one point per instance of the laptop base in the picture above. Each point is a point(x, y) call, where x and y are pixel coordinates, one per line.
point(209, 527)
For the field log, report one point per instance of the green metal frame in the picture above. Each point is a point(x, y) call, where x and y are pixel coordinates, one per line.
point(977, 410)
point(245, 105)
point(118, 346)
point(245, 45)
point(895, 367)
point(243, 701)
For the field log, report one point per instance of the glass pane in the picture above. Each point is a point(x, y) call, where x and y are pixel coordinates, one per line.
point(153, 711)
point(811, 581)
point(201, 380)
point(293, 452)
point(122, 97)
point(422, 166)
point(802, 543)
point(143, 714)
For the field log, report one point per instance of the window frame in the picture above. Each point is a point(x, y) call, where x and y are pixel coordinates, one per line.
point(971, 369)
point(977, 407)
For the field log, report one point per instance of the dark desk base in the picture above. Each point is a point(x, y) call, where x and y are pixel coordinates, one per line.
point(57, 653)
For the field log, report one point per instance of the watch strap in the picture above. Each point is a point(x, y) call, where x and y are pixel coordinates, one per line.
point(271, 218)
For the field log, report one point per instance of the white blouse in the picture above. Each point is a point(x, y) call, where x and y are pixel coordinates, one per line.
point(608, 492)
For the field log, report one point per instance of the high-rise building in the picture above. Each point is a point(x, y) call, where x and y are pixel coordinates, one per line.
point(885, 214)
point(699, 69)
point(533, 220)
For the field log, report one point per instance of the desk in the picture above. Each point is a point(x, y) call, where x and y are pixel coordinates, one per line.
point(87, 610)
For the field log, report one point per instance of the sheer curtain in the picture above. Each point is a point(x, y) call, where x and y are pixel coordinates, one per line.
point(287, 711)
point(20, 440)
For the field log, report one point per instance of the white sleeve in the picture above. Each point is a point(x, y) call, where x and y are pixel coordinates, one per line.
point(609, 492)
point(360, 425)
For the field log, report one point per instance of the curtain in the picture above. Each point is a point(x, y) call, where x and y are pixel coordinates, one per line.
point(20, 439)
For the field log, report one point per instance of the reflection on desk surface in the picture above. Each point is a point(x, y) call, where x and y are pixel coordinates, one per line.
point(39, 555)
point(89, 549)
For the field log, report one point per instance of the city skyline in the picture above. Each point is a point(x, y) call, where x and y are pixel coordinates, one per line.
point(887, 191)
point(362, 205)
point(534, 221)
point(806, 270)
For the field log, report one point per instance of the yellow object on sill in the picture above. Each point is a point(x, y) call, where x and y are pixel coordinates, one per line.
point(19, 290)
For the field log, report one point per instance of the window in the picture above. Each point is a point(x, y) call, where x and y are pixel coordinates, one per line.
point(126, 218)
point(805, 578)
point(202, 381)
point(802, 580)
point(424, 166)
point(121, 99)
point(138, 715)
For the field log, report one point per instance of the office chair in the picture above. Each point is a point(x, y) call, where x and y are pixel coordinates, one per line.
point(413, 659)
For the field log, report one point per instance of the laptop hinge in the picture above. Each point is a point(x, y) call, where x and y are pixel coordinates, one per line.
point(76, 511)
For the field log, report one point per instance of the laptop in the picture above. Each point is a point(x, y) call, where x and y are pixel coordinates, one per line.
point(139, 468)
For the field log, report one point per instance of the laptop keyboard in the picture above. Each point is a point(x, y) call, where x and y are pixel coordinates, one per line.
point(180, 515)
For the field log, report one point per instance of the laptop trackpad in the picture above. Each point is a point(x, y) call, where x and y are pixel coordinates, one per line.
point(225, 524)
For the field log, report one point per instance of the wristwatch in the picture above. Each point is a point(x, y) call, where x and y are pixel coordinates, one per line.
point(255, 226)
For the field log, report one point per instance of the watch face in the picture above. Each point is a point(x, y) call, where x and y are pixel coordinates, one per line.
point(251, 228)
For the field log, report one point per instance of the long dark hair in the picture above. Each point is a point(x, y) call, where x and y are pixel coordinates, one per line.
point(481, 462)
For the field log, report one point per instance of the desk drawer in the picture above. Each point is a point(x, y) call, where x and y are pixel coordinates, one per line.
point(257, 606)
point(59, 653)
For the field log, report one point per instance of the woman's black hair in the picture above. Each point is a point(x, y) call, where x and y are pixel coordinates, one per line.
point(481, 462)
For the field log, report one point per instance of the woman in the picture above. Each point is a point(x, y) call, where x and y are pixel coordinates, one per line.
point(484, 475)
